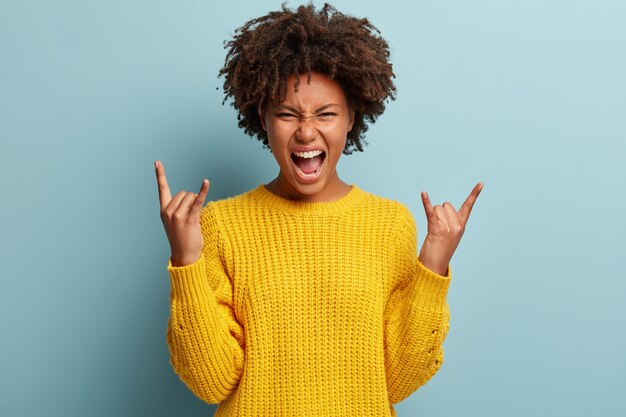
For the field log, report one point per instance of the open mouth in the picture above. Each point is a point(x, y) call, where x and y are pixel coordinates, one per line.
point(308, 168)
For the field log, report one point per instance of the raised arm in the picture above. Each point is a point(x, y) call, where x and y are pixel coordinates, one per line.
point(205, 339)
point(416, 317)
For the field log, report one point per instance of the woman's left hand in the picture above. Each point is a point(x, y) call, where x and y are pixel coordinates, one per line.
point(445, 229)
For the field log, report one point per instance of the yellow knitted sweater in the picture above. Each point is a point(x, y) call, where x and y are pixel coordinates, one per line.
point(301, 309)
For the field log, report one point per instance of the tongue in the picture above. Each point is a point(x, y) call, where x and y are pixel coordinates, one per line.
point(309, 165)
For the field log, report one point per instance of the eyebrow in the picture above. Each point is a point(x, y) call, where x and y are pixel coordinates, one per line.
point(293, 109)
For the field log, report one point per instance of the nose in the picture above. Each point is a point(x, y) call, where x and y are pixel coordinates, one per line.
point(306, 129)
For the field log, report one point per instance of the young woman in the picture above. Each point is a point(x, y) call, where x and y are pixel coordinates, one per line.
point(305, 296)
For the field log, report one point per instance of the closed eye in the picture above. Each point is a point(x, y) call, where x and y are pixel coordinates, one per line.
point(291, 116)
point(288, 115)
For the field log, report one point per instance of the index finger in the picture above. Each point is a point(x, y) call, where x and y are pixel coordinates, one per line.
point(164, 190)
point(428, 207)
point(466, 209)
point(196, 207)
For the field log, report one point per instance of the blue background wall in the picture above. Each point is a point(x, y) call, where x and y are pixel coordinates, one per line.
point(527, 97)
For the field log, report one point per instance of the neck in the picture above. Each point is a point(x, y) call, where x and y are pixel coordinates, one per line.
point(333, 189)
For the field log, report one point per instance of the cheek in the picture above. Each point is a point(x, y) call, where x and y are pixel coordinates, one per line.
point(279, 134)
point(278, 140)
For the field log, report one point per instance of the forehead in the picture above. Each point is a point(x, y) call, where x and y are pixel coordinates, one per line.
point(319, 91)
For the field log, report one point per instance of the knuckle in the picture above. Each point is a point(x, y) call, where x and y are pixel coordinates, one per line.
point(166, 214)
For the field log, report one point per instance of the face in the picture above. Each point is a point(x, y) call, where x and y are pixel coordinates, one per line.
point(316, 118)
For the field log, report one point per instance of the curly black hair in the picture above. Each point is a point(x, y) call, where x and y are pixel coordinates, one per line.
point(266, 50)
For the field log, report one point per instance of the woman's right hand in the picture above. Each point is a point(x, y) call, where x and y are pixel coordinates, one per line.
point(181, 219)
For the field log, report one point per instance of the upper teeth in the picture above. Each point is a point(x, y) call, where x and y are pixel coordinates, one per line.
point(310, 154)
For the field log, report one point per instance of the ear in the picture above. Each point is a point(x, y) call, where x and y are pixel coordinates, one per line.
point(262, 119)
point(351, 121)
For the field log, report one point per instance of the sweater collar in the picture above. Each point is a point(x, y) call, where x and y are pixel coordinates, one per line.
point(266, 197)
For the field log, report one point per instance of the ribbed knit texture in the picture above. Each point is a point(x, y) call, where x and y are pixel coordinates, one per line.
point(299, 309)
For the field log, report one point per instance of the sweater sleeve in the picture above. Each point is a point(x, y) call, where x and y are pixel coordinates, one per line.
point(205, 340)
point(416, 316)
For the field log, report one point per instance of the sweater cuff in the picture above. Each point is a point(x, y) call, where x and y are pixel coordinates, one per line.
point(189, 281)
point(429, 288)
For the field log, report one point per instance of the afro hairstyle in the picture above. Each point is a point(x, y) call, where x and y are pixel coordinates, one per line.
point(266, 50)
